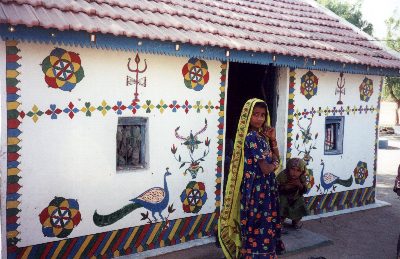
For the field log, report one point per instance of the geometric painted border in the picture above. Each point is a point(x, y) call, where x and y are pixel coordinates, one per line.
point(377, 131)
point(220, 138)
point(335, 111)
point(292, 78)
point(340, 200)
point(124, 241)
point(13, 147)
point(88, 109)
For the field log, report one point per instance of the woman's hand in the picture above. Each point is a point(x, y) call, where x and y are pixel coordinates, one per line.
point(265, 167)
point(270, 133)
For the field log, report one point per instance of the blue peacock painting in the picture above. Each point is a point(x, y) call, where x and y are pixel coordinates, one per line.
point(154, 199)
point(328, 180)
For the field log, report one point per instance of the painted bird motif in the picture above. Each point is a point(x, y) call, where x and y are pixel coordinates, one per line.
point(328, 180)
point(154, 199)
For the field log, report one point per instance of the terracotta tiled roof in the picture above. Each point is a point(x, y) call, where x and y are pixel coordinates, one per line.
point(288, 27)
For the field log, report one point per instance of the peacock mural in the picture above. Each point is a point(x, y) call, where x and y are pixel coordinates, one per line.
point(154, 200)
point(329, 180)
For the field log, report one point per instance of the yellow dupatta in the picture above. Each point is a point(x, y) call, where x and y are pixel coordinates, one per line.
point(229, 220)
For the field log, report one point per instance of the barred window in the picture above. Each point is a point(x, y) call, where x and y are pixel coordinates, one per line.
point(334, 128)
point(131, 143)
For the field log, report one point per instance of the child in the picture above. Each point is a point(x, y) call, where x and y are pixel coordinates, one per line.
point(292, 186)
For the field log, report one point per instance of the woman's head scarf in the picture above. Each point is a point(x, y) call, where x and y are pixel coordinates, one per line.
point(296, 162)
point(229, 220)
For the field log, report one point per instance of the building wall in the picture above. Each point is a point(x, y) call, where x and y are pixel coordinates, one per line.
point(282, 110)
point(61, 143)
point(357, 164)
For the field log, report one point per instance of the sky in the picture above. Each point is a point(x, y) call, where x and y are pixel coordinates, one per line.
point(376, 12)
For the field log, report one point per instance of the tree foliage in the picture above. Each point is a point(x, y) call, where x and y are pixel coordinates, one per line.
point(391, 90)
point(351, 12)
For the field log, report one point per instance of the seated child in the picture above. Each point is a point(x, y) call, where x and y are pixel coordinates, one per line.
point(292, 186)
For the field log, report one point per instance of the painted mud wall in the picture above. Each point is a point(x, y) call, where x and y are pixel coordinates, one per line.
point(335, 181)
point(62, 109)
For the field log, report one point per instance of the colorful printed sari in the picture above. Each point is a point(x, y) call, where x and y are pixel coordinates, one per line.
point(249, 224)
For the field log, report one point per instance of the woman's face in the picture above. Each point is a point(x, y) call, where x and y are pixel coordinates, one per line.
point(257, 118)
point(295, 172)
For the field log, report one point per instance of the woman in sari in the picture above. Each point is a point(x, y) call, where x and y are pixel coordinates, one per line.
point(249, 224)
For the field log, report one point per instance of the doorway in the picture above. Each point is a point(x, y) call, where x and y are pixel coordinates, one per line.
point(246, 81)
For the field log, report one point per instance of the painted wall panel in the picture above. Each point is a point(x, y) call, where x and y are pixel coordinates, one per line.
point(359, 108)
point(69, 138)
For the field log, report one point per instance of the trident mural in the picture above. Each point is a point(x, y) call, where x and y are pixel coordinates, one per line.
point(136, 81)
point(340, 88)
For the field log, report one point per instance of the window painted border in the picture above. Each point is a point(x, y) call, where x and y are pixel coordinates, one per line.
point(339, 135)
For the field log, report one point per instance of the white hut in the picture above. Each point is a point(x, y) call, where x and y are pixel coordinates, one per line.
point(114, 115)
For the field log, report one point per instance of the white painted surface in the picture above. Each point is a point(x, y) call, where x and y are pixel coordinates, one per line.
point(282, 112)
point(359, 129)
point(3, 145)
point(75, 158)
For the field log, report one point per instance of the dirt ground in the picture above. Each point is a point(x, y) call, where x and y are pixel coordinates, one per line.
point(364, 234)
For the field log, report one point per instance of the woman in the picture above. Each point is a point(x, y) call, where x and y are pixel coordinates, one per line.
point(292, 186)
point(249, 224)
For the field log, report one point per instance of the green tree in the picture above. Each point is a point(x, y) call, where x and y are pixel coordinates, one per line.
point(391, 90)
point(351, 12)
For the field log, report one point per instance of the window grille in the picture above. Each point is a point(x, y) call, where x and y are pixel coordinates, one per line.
point(334, 129)
point(131, 143)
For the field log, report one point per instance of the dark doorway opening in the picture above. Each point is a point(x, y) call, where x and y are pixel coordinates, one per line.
point(246, 81)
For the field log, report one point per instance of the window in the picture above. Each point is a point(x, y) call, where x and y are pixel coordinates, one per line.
point(334, 126)
point(131, 143)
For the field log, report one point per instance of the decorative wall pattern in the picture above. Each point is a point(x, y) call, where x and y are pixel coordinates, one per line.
point(62, 69)
point(340, 200)
point(309, 180)
point(366, 89)
point(306, 141)
point(335, 111)
point(330, 180)
point(309, 85)
point(88, 108)
point(192, 143)
point(13, 146)
point(326, 186)
point(341, 82)
point(128, 240)
point(155, 200)
point(377, 131)
point(220, 138)
point(193, 197)
point(360, 172)
point(195, 74)
point(292, 78)
point(136, 80)
point(124, 241)
point(60, 217)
